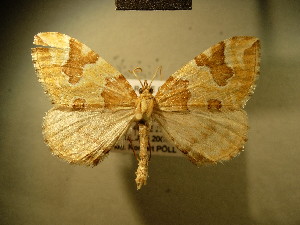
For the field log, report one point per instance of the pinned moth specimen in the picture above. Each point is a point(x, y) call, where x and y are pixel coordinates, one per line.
point(199, 108)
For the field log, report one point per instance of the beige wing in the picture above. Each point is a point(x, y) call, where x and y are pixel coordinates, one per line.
point(205, 137)
point(200, 106)
point(84, 137)
point(76, 77)
point(94, 102)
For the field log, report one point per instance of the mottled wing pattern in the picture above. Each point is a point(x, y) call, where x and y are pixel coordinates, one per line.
point(74, 76)
point(94, 103)
point(200, 106)
point(84, 137)
point(205, 137)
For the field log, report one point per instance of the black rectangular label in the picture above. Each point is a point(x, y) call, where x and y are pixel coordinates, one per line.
point(153, 4)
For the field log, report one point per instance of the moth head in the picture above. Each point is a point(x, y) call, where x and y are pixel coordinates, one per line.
point(146, 88)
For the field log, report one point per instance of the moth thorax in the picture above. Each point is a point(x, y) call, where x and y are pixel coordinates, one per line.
point(144, 107)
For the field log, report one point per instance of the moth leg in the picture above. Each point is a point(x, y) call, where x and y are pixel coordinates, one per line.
point(150, 149)
point(132, 148)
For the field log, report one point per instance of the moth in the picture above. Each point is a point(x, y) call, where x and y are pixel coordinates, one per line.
point(199, 107)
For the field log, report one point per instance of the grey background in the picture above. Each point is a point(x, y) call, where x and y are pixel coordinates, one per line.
point(261, 186)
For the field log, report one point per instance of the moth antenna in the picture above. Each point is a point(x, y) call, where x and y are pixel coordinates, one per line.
point(160, 74)
point(134, 73)
point(158, 68)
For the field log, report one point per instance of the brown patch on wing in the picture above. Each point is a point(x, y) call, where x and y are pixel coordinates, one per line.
point(94, 159)
point(42, 57)
point(249, 70)
point(77, 59)
point(111, 95)
point(198, 158)
point(216, 62)
point(174, 94)
point(250, 54)
point(79, 104)
point(214, 105)
point(253, 50)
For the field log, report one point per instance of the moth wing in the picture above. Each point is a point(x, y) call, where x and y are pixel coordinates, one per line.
point(84, 137)
point(74, 76)
point(202, 102)
point(203, 137)
point(225, 72)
